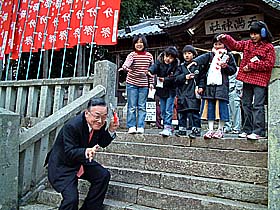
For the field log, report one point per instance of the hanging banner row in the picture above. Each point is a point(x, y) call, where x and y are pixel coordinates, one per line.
point(29, 25)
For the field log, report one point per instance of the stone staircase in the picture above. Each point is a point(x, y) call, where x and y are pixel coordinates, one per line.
point(176, 173)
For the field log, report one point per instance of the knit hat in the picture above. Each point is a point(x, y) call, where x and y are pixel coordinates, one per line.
point(190, 48)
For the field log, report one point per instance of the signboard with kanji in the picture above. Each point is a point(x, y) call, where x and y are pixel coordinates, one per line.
point(231, 24)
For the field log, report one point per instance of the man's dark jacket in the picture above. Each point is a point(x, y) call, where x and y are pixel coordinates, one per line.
point(68, 152)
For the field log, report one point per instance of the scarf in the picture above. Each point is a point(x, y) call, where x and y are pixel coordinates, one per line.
point(214, 76)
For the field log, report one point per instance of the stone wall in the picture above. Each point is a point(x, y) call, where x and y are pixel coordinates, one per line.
point(274, 136)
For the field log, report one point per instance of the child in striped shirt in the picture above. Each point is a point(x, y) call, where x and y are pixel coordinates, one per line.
point(137, 84)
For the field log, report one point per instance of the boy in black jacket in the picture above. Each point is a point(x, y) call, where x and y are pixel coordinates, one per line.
point(165, 68)
point(189, 88)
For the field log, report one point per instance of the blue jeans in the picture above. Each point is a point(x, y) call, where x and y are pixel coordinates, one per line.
point(234, 112)
point(136, 103)
point(166, 109)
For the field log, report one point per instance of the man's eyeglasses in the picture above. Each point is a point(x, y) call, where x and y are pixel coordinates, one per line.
point(97, 117)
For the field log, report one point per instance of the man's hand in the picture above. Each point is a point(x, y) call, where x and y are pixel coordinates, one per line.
point(114, 123)
point(90, 152)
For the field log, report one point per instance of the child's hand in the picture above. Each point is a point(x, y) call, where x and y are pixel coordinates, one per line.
point(200, 91)
point(221, 36)
point(246, 69)
point(161, 79)
point(223, 65)
point(192, 63)
point(190, 76)
point(149, 74)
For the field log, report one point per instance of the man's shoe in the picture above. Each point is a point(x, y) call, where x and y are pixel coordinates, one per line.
point(195, 133)
point(242, 135)
point(218, 134)
point(140, 130)
point(132, 130)
point(253, 136)
point(208, 135)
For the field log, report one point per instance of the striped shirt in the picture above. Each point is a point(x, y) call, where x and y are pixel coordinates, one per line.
point(259, 57)
point(138, 64)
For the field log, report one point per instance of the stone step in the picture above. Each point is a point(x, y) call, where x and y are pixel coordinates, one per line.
point(50, 200)
point(155, 198)
point(186, 167)
point(37, 207)
point(234, 157)
point(230, 142)
point(198, 185)
point(170, 199)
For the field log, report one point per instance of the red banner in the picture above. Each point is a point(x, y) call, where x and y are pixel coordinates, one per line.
point(42, 23)
point(63, 24)
point(76, 21)
point(6, 21)
point(107, 22)
point(52, 25)
point(89, 22)
point(30, 28)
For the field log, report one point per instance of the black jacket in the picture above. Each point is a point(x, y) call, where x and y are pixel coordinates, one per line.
point(160, 69)
point(186, 90)
point(220, 92)
point(68, 152)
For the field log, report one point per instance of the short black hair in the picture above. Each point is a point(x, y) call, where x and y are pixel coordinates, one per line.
point(215, 38)
point(189, 48)
point(136, 38)
point(171, 51)
point(96, 101)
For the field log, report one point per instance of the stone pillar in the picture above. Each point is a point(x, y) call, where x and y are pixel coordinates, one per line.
point(105, 74)
point(274, 136)
point(9, 159)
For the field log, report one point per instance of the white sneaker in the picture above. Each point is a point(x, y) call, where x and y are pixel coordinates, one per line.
point(140, 130)
point(253, 136)
point(242, 135)
point(132, 130)
point(165, 133)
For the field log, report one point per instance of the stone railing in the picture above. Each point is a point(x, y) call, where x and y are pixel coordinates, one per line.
point(35, 100)
point(23, 153)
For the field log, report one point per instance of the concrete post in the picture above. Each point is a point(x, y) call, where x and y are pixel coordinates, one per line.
point(105, 74)
point(274, 136)
point(9, 159)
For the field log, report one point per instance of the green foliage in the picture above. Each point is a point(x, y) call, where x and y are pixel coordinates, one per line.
point(133, 10)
